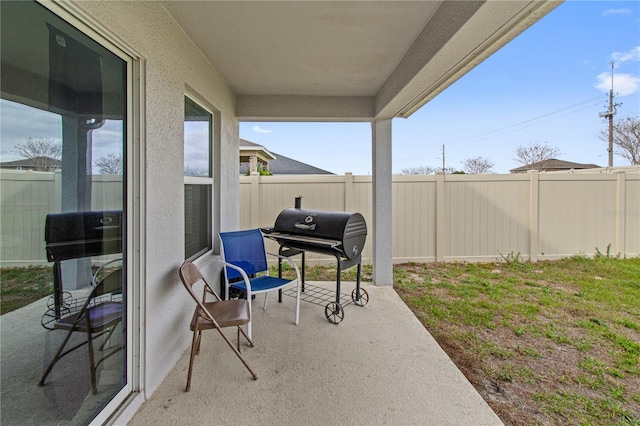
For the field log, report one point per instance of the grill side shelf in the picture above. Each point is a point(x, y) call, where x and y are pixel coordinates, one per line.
point(320, 242)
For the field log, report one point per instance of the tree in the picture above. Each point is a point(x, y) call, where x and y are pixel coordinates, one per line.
point(535, 152)
point(626, 138)
point(196, 171)
point(428, 170)
point(263, 170)
point(110, 164)
point(45, 153)
point(477, 165)
point(420, 170)
point(451, 171)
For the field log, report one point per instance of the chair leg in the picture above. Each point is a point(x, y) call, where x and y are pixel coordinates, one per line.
point(94, 386)
point(198, 342)
point(55, 359)
point(240, 330)
point(238, 354)
point(251, 319)
point(297, 301)
point(111, 330)
point(195, 347)
point(266, 299)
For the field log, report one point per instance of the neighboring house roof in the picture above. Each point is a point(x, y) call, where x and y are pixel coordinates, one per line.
point(553, 164)
point(248, 148)
point(278, 164)
point(32, 163)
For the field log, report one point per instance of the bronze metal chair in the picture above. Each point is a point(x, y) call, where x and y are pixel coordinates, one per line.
point(216, 314)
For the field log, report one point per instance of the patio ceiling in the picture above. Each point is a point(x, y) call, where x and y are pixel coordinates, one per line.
point(347, 60)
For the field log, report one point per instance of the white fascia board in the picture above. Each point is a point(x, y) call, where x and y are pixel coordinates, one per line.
point(304, 108)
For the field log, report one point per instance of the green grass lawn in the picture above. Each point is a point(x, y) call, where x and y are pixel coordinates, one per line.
point(544, 343)
point(21, 286)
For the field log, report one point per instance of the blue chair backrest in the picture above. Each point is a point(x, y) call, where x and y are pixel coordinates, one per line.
point(244, 249)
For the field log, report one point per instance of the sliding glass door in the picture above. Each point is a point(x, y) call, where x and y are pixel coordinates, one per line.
point(64, 233)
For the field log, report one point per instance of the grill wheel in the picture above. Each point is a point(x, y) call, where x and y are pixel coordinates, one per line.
point(334, 312)
point(360, 299)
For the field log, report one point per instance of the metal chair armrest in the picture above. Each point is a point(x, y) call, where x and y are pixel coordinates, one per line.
point(245, 277)
point(295, 266)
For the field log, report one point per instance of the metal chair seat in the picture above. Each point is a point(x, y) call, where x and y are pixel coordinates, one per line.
point(228, 314)
point(261, 284)
point(101, 316)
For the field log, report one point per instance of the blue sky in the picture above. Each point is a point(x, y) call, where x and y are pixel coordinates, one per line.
point(548, 85)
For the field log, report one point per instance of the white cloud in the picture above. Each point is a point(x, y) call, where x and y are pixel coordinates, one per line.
point(623, 84)
point(632, 55)
point(609, 12)
point(259, 129)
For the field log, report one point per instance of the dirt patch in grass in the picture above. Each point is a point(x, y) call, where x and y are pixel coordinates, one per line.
point(546, 343)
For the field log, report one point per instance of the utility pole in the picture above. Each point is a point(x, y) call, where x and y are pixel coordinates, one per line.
point(609, 115)
point(443, 168)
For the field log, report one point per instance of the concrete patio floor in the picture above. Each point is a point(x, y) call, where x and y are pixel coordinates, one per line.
point(378, 366)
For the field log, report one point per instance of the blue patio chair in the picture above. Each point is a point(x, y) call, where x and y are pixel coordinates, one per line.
point(246, 268)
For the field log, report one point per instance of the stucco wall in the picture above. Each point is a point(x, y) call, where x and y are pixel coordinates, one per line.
point(173, 65)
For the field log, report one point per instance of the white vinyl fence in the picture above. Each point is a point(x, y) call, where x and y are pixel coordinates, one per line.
point(435, 218)
point(26, 197)
point(472, 217)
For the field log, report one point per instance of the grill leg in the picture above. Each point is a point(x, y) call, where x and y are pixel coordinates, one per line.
point(57, 288)
point(303, 264)
point(279, 274)
point(338, 279)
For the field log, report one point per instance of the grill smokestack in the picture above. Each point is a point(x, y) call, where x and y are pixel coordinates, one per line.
point(298, 204)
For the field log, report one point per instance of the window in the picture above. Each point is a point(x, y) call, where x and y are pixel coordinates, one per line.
point(198, 181)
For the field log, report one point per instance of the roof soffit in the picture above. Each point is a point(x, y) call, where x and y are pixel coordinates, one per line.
point(347, 60)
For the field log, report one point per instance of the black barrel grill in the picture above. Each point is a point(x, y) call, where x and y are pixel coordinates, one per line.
point(339, 234)
point(76, 235)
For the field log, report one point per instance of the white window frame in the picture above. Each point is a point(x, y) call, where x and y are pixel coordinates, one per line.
point(201, 180)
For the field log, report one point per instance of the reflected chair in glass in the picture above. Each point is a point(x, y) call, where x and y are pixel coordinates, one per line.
point(216, 314)
point(99, 315)
point(246, 268)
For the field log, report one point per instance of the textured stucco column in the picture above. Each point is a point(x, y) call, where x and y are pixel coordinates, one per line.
point(382, 221)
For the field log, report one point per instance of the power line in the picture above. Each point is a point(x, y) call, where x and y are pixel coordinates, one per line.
point(587, 103)
point(564, 111)
point(531, 124)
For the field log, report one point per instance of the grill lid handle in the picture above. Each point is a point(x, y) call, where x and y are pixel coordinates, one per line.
point(305, 226)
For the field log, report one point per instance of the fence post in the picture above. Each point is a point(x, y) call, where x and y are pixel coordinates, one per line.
point(621, 212)
point(348, 192)
point(442, 226)
point(57, 192)
point(534, 222)
point(255, 199)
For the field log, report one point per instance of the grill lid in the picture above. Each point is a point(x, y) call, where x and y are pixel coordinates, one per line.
point(326, 230)
point(83, 234)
